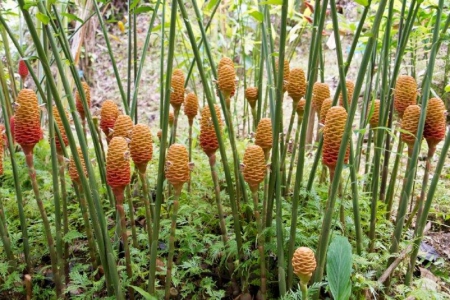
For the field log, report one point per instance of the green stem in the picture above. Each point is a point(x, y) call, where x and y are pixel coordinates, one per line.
point(17, 185)
point(162, 152)
point(47, 230)
point(123, 232)
point(419, 203)
point(131, 216)
point(62, 180)
point(4, 236)
point(148, 213)
point(393, 180)
point(294, 152)
point(302, 151)
point(410, 171)
point(222, 149)
point(327, 221)
point(87, 226)
point(176, 204)
point(96, 211)
point(190, 151)
point(262, 259)
point(418, 233)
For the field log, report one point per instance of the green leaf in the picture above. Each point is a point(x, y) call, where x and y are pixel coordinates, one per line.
point(134, 4)
point(339, 268)
point(142, 9)
point(29, 4)
point(43, 18)
point(143, 293)
point(362, 2)
point(71, 17)
point(447, 89)
point(211, 4)
point(257, 15)
point(272, 2)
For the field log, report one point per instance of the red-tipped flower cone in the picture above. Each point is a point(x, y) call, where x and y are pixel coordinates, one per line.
point(27, 123)
point(118, 174)
point(23, 69)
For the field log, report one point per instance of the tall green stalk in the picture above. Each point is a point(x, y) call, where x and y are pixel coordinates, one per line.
point(17, 184)
point(96, 211)
point(162, 152)
point(302, 150)
point(222, 149)
point(240, 190)
point(326, 226)
point(410, 172)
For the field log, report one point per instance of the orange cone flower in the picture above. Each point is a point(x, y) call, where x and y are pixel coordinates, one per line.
point(177, 166)
point(410, 123)
point(326, 105)
point(62, 131)
point(141, 146)
point(171, 118)
point(118, 174)
point(227, 81)
point(296, 86)
point(225, 61)
point(208, 137)
point(405, 93)
point(374, 119)
point(254, 166)
point(301, 107)
point(264, 135)
point(79, 103)
point(191, 107)
point(251, 94)
point(286, 74)
point(303, 263)
point(73, 172)
point(350, 86)
point(177, 93)
point(332, 136)
point(435, 123)
point(123, 127)
point(27, 122)
point(321, 91)
point(108, 117)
